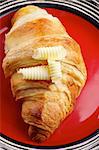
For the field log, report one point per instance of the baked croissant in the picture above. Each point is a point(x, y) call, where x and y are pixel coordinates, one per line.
point(45, 103)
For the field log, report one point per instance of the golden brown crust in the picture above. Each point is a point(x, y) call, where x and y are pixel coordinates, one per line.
point(31, 30)
point(38, 134)
point(22, 56)
point(45, 105)
point(24, 11)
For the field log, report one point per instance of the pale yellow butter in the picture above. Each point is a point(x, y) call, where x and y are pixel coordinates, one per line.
point(50, 53)
point(55, 70)
point(35, 73)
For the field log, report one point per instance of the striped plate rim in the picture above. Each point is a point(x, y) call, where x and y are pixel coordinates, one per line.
point(84, 144)
point(85, 9)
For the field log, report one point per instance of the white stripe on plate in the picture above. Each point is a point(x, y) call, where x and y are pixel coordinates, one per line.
point(11, 3)
point(87, 2)
point(74, 2)
point(86, 5)
point(84, 8)
point(90, 142)
point(90, 2)
point(83, 1)
point(88, 147)
point(5, 1)
point(48, 2)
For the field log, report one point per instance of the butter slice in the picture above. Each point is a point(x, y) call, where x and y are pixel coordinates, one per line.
point(55, 70)
point(35, 73)
point(50, 53)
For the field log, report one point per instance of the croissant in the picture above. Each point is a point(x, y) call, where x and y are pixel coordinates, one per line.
point(45, 104)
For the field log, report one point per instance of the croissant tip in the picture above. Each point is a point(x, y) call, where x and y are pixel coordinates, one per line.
point(39, 139)
point(37, 135)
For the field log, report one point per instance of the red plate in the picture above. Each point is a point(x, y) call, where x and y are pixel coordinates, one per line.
point(83, 120)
